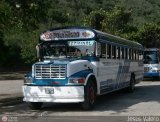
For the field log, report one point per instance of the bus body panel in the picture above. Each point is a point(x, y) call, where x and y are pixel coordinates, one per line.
point(115, 74)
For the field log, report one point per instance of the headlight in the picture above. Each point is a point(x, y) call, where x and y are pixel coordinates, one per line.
point(76, 80)
point(28, 80)
point(155, 70)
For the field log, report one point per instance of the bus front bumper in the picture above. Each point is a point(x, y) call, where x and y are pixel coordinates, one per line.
point(60, 94)
point(151, 74)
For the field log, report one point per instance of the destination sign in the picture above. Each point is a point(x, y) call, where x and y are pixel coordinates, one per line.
point(80, 43)
point(63, 34)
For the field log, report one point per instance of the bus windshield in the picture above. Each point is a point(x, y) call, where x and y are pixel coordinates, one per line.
point(150, 57)
point(68, 49)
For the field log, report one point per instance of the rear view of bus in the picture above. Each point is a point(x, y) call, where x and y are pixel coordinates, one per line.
point(151, 63)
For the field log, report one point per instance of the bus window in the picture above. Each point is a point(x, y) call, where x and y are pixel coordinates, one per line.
point(150, 57)
point(109, 51)
point(137, 58)
point(130, 54)
point(140, 55)
point(118, 53)
point(122, 53)
point(113, 52)
point(103, 50)
point(134, 54)
point(126, 53)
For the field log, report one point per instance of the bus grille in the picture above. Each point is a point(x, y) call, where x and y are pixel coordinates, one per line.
point(50, 71)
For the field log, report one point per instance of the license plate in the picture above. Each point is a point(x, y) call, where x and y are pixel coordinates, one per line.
point(49, 90)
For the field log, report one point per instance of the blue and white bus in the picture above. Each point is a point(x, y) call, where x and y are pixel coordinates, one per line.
point(76, 64)
point(151, 62)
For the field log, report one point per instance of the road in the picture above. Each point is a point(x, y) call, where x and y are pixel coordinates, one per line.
point(10, 88)
point(118, 106)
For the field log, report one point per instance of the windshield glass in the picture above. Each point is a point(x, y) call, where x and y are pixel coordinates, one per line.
point(150, 57)
point(67, 49)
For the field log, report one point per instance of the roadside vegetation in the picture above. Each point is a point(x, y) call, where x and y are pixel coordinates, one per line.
point(21, 22)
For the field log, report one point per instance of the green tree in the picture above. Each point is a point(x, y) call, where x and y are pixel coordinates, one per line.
point(21, 37)
point(149, 35)
point(115, 21)
point(22, 21)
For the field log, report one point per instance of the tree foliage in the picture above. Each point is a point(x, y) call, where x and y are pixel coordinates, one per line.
point(22, 21)
point(116, 21)
point(149, 35)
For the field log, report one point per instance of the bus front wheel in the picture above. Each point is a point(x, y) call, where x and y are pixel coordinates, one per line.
point(90, 96)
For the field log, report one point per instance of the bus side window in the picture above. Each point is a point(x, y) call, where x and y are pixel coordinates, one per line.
point(135, 54)
point(118, 52)
point(126, 53)
point(113, 52)
point(122, 53)
point(130, 54)
point(109, 51)
point(103, 50)
point(140, 55)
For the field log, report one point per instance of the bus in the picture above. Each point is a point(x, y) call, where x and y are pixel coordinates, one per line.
point(151, 63)
point(77, 64)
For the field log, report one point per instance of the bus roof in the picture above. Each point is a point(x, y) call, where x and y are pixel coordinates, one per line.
point(151, 49)
point(116, 39)
point(77, 33)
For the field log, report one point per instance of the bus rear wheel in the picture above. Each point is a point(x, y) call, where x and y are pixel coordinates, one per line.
point(90, 96)
point(131, 87)
point(35, 105)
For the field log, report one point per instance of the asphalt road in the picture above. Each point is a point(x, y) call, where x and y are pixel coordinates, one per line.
point(10, 88)
point(120, 106)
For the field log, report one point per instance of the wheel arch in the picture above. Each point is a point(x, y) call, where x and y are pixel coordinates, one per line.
point(133, 75)
point(92, 78)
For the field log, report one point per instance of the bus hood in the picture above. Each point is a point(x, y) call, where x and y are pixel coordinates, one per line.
point(77, 67)
point(64, 60)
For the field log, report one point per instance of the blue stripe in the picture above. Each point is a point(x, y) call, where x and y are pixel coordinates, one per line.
point(50, 82)
point(151, 74)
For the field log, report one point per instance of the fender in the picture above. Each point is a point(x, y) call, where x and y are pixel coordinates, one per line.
point(88, 76)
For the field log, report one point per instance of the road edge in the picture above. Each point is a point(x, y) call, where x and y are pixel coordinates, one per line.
point(11, 101)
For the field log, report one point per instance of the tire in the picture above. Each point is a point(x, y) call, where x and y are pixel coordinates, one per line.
point(90, 96)
point(35, 105)
point(131, 87)
point(156, 78)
